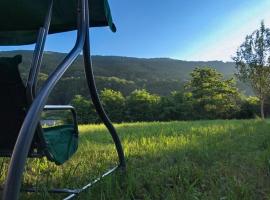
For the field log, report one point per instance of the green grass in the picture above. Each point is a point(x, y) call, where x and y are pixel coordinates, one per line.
point(165, 160)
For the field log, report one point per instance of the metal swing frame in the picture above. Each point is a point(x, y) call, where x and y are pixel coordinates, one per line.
point(12, 186)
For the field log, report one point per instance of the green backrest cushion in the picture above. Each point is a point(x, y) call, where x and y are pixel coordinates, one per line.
point(9, 69)
point(61, 142)
point(13, 101)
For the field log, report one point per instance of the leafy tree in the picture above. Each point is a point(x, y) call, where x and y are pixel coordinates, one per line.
point(211, 96)
point(175, 107)
point(253, 63)
point(142, 106)
point(85, 110)
point(249, 107)
point(114, 104)
point(115, 83)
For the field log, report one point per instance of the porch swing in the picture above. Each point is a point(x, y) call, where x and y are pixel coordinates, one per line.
point(22, 135)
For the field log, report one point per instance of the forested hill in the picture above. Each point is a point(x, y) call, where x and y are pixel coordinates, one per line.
point(157, 75)
point(127, 67)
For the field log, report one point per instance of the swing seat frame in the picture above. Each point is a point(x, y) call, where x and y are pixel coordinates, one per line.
point(47, 17)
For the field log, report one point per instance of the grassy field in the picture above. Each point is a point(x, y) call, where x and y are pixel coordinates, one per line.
point(166, 160)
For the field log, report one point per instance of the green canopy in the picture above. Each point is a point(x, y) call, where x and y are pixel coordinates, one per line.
point(20, 20)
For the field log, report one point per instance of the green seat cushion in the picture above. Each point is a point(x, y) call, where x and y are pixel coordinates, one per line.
point(61, 142)
point(21, 19)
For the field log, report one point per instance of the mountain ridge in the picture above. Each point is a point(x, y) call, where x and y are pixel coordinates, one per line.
point(157, 75)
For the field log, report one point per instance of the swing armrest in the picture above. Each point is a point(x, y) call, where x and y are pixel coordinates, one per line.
point(64, 107)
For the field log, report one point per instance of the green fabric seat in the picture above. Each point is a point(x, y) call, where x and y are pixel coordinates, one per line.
point(61, 142)
point(21, 19)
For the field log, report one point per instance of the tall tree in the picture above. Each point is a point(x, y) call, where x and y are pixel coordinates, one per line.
point(85, 110)
point(253, 63)
point(175, 106)
point(212, 96)
point(114, 104)
point(142, 106)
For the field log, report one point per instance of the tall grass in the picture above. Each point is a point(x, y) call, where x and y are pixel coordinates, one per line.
point(222, 159)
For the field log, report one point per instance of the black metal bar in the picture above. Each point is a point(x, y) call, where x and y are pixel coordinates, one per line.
point(37, 56)
point(56, 191)
point(72, 192)
point(23, 143)
point(65, 107)
point(94, 95)
point(8, 154)
point(34, 65)
point(91, 183)
point(31, 83)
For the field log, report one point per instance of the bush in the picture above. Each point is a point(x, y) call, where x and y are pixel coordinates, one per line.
point(114, 104)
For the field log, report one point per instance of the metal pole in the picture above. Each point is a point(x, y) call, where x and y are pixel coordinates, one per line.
point(94, 95)
point(24, 140)
point(37, 57)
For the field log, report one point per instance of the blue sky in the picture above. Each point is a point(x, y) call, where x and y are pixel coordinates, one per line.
point(181, 29)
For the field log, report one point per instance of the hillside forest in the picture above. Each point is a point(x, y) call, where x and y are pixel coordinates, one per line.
point(161, 89)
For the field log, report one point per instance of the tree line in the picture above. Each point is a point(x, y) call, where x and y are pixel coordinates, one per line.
point(206, 96)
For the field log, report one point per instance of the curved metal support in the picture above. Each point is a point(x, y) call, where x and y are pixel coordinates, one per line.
point(94, 95)
point(37, 57)
point(23, 143)
point(31, 83)
point(65, 107)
